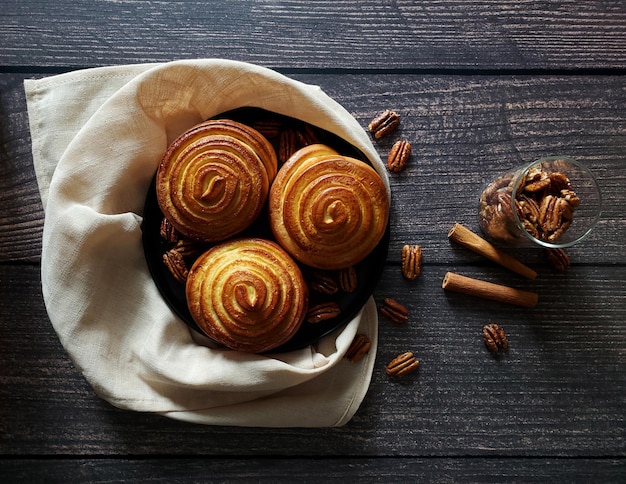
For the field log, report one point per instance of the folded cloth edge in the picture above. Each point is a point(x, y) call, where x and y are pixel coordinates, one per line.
point(35, 89)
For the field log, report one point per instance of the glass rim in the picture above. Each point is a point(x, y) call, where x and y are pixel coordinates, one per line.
point(518, 222)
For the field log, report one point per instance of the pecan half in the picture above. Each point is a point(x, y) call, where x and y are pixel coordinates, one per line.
point(189, 248)
point(168, 232)
point(549, 218)
point(495, 338)
point(394, 311)
point(324, 283)
point(571, 197)
point(287, 144)
point(529, 209)
point(176, 264)
point(411, 261)
point(399, 156)
point(270, 127)
point(359, 347)
point(559, 181)
point(538, 186)
point(402, 364)
point(322, 312)
point(306, 136)
point(384, 124)
point(558, 259)
point(348, 279)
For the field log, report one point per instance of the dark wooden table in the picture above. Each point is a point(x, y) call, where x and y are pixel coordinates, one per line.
point(480, 87)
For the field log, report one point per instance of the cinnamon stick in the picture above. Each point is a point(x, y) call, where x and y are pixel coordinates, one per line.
point(465, 237)
point(487, 290)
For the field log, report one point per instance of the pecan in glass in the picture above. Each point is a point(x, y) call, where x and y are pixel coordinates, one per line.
point(176, 264)
point(384, 124)
point(402, 365)
point(168, 232)
point(394, 311)
point(558, 259)
point(399, 156)
point(538, 186)
point(323, 311)
point(348, 279)
point(559, 181)
point(571, 197)
point(529, 210)
point(411, 261)
point(544, 203)
point(495, 338)
point(324, 283)
point(359, 347)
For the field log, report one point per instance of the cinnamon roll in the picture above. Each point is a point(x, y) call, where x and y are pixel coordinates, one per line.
point(247, 294)
point(327, 210)
point(214, 179)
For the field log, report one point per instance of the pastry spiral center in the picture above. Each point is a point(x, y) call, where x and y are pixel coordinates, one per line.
point(214, 188)
point(336, 214)
point(248, 298)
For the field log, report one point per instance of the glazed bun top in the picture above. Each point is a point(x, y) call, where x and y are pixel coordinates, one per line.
point(214, 179)
point(247, 294)
point(327, 210)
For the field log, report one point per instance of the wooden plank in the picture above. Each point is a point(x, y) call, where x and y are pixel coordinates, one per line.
point(355, 469)
point(311, 35)
point(559, 391)
point(465, 130)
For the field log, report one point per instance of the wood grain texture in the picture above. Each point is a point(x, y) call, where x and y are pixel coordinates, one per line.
point(292, 34)
point(464, 130)
point(355, 469)
point(481, 87)
point(462, 401)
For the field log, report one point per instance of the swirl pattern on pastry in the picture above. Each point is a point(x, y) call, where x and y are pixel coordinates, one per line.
point(247, 294)
point(214, 179)
point(328, 211)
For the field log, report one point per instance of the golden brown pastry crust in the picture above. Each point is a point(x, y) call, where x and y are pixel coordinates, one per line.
point(214, 179)
point(328, 211)
point(247, 294)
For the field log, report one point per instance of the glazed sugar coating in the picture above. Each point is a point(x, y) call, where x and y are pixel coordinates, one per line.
point(247, 294)
point(214, 179)
point(327, 210)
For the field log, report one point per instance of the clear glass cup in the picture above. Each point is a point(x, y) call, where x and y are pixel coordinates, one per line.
point(553, 202)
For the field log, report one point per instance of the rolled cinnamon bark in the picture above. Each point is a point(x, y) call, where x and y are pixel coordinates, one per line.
point(465, 237)
point(488, 290)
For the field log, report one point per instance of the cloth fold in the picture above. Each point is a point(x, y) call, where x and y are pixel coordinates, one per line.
point(97, 138)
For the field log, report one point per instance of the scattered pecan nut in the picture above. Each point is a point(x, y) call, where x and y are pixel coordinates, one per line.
point(495, 338)
point(399, 156)
point(394, 311)
point(359, 347)
point(323, 311)
point(384, 124)
point(348, 279)
point(324, 283)
point(558, 259)
point(176, 264)
point(411, 261)
point(402, 365)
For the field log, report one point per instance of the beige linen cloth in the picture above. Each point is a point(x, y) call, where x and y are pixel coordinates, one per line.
point(97, 137)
